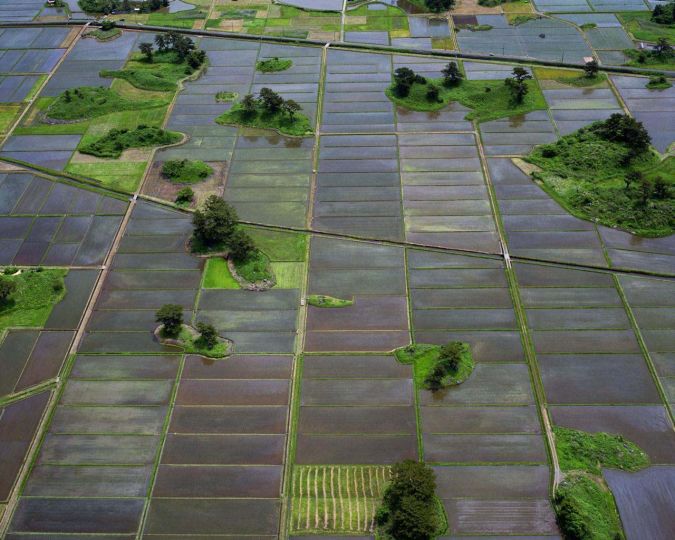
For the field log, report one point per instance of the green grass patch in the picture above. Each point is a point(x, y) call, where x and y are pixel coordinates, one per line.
point(255, 268)
point(272, 65)
point(116, 141)
point(217, 275)
point(7, 115)
point(279, 245)
point(515, 19)
point(186, 171)
point(639, 25)
point(297, 126)
point(32, 301)
point(180, 19)
point(288, 275)
point(324, 301)
point(584, 173)
point(590, 452)
point(89, 102)
point(124, 176)
point(161, 75)
point(570, 77)
point(585, 508)
point(489, 100)
point(226, 97)
point(424, 357)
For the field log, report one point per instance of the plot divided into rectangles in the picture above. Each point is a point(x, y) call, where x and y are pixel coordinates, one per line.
point(537, 226)
point(98, 454)
point(371, 275)
point(358, 187)
point(53, 224)
point(224, 450)
point(652, 302)
point(355, 410)
point(151, 268)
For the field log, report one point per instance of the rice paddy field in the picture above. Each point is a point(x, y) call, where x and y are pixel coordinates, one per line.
point(426, 223)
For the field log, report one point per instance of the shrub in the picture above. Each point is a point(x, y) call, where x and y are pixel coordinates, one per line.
point(171, 316)
point(207, 334)
point(9, 270)
point(7, 287)
point(185, 195)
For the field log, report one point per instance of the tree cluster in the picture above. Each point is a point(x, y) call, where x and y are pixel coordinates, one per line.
point(591, 69)
point(215, 226)
point(448, 362)
point(183, 46)
point(408, 510)
point(439, 5)
point(517, 84)
point(664, 14)
point(270, 102)
point(404, 78)
point(626, 130)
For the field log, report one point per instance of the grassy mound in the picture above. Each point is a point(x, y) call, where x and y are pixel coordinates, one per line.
point(590, 452)
point(226, 97)
point(32, 301)
point(323, 301)
point(105, 35)
point(586, 509)
point(162, 74)
point(658, 82)
point(297, 126)
point(90, 101)
point(112, 144)
point(425, 357)
point(584, 173)
point(274, 64)
point(489, 100)
point(255, 268)
point(186, 171)
point(193, 344)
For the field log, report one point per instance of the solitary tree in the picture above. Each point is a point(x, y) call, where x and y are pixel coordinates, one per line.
point(160, 41)
point(591, 68)
point(146, 49)
point(291, 107)
point(171, 316)
point(208, 334)
point(433, 93)
point(633, 178)
point(645, 190)
point(662, 49)
point(214, 223)
point(517, 84)
point(452, 76)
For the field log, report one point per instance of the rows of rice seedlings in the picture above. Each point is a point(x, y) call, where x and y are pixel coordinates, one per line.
point(336, 498)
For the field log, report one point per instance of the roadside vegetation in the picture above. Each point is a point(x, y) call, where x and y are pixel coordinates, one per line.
point(112, 144)
point(410, 509)
point(268, 111)
point(204, 340)
point(489, 100)
point(216, 230)
point(27, 296)
point(186, 171)
point(584, 504)
point(324, 301)
point(272, 65)
point(608, 173)
point(438, 366)
point(661, 56)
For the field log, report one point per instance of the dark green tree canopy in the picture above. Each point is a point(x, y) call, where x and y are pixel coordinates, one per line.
point(215, 222)
point(171, 316)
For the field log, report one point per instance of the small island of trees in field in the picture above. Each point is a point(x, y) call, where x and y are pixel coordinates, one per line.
point(203, 340)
